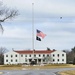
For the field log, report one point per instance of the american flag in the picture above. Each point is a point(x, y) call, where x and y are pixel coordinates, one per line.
point(41, 34)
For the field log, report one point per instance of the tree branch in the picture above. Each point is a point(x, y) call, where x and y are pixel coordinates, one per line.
point(6, 13)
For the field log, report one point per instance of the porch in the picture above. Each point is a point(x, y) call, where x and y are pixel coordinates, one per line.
point(36, 60)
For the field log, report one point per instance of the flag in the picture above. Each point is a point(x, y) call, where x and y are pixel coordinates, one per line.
point(37, 38)
point(41, 34)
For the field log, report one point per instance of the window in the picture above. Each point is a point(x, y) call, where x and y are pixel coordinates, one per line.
point(6, 55)
point(53, 59)
point(62, 59)
point(62, 54)
point(43, 60)
point(43, 55)
point(47, 55)
point(11, 60)
point(25, 55)
point(57, 59)
point(25, 60)
point(30, 55)
point(39, 55)
point(21, 55)
point(11, 56)
point(34, 55)
point(53, 55)
point(6, 60)
point(58, 55)
point(16, 60)
point(15, 55)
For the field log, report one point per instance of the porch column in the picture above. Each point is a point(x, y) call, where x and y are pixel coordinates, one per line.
point(41, 61)
point(37, 61)
point(28, 61)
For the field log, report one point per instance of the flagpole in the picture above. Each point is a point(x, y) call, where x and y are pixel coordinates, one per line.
point(33, 28)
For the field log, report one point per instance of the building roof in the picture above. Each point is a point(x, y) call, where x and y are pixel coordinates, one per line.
point(35, 51)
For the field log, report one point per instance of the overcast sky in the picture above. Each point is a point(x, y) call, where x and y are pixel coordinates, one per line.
point(60, 32)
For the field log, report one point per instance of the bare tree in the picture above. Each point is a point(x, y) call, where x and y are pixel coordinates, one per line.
point(6, 13)
point(48, 59)
point(2, 51)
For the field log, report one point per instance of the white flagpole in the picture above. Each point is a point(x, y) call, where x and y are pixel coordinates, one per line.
point(33, 30)
point(33, 26)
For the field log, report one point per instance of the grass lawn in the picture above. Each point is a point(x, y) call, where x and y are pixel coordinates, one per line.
point(49, 66)
point(68, 72)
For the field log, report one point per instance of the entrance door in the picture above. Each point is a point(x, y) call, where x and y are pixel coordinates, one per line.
point(35, 61)
point(30, 60)
point(39, 60)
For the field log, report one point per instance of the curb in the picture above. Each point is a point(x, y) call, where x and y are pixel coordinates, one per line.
point(57, 73)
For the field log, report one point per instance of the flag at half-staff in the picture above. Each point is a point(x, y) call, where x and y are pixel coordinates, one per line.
point(39, 35)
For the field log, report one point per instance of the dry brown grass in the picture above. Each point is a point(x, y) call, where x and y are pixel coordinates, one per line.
point(68, 72)
point(50, 66)
point(20, 67)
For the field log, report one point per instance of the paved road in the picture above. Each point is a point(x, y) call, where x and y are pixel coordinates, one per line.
point(34, 72)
